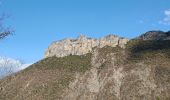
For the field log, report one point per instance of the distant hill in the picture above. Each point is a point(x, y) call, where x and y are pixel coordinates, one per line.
point(155, 35)
point(140, 71)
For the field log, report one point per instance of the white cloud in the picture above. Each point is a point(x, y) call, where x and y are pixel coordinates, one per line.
point(167, 12)
point(9, 66)
point(166, 19)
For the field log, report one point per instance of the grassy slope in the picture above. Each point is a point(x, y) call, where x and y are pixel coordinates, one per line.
point(155, 54)
point(45, 79)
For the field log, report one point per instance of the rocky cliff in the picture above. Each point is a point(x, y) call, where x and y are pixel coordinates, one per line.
point(82, 45)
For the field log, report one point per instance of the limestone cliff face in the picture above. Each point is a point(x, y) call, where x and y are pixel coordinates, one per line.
point(82, 45)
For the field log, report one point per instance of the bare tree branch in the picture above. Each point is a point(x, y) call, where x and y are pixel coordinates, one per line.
point(4, 32)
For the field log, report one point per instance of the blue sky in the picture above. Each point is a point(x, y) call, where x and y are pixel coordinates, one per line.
point(37, 23)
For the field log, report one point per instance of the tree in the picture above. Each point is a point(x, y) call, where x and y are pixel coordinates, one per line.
point(4, 32)
point(8, 66)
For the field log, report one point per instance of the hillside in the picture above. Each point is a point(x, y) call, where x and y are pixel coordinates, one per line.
point(140, 71)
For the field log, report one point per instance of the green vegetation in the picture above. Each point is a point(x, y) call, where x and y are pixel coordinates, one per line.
point(107, 50)
point(72, 63)
point(46, 79)
point(55, 88)
point(107, 53)
point(141, 50)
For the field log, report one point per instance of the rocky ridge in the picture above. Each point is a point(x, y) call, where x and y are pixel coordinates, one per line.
point(155, 35)
point(82, 45)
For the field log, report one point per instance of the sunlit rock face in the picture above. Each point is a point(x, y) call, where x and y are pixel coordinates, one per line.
point(82, 45)
point(9, 66)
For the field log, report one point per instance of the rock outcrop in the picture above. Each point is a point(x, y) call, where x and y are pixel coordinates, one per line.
point(155, 35)
point(82, 45)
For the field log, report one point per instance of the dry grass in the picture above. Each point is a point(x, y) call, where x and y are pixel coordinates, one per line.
point(45, 80)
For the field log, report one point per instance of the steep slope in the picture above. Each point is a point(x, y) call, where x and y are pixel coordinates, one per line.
point(140, 75)
point(141, 71)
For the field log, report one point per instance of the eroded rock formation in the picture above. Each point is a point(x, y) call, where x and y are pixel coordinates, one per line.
point(82, 45)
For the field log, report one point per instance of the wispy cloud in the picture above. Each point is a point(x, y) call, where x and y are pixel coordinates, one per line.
point(9, 66)
point(166, 19)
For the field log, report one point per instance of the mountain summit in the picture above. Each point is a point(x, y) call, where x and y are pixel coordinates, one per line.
point(155, 35)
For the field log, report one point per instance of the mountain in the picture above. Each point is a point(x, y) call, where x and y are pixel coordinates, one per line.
point(9, 66)
point(138, 71)
point(155, 35)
